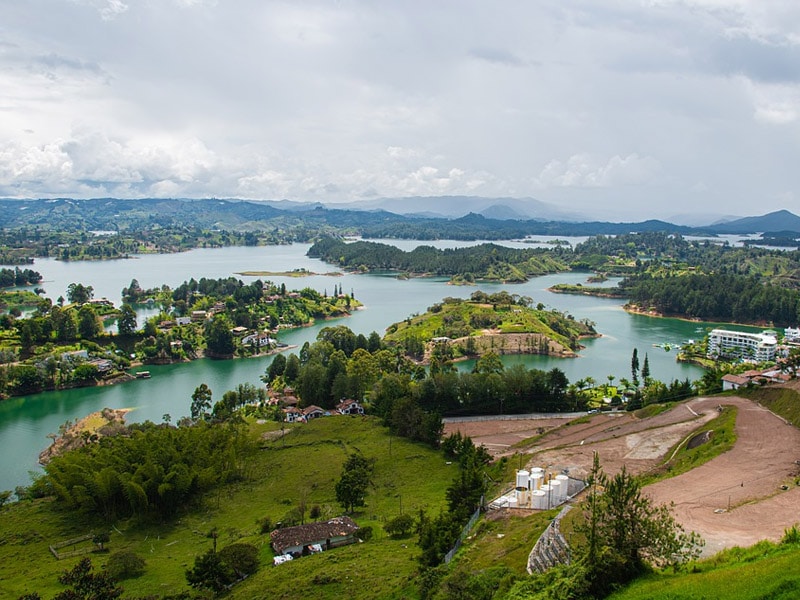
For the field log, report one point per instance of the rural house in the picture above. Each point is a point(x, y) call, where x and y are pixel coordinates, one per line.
point(339, 531)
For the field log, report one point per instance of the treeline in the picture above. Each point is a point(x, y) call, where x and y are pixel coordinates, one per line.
point(485, 261)
point(716, 297)
point(17, 276)
point(343, 365)
point(147, 469)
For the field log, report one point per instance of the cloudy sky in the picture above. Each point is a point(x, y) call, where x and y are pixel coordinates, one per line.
point(617, 109)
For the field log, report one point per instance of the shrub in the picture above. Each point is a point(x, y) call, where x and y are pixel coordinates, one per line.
point(125, 565)
point(791, 535)
point(241, 558)
point(400, 526)
point(364, 533)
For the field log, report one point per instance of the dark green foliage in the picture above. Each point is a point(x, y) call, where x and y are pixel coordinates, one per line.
point(399, 526)
point(151, 470)
point(625, 533)
point(210, 573)
point(125, 565)
point(482, 585)
point(18, 277)
point(437, 536)
point(126, 322)
point(353, 485)
point(717, 297)
point(201, 402)
point(488, 261)
point(219, 339)
point(87, 585)
point(241, 558)
point(86, 372)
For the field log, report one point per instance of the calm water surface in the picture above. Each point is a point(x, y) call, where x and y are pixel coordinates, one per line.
point(26, 422)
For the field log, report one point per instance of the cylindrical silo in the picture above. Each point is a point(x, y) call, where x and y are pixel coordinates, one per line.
point(538, 500)
point(522, 480)
point(564, 479)
point(556, 497)
point(548, 495)
point(536, 480)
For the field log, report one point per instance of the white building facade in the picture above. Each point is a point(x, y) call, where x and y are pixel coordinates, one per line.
point(758, 347)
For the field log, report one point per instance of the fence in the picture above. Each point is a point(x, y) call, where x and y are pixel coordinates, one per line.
point(464, 533)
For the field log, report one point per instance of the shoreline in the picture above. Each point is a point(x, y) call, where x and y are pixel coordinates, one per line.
point(634, 309)
point(86, 430)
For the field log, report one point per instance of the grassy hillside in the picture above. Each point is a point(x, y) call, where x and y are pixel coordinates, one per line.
point(764, 571)
point(303, 466)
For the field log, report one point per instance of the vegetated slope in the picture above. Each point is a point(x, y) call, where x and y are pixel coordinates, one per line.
point(765, 570)
point(301, 468)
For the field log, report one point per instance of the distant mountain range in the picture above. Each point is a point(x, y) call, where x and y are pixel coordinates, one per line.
point(414, 218)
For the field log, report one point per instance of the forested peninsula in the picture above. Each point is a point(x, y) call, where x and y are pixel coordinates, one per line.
point(485, 262)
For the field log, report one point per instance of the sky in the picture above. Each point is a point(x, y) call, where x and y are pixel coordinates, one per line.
point(613, 109)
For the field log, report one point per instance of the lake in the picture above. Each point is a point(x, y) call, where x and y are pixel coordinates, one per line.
point(25, 422)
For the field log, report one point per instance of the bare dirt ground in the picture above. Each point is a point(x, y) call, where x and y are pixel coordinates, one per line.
point(733, 500)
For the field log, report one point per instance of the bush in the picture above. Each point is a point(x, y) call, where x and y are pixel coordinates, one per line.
point(791, 535)
point(241, 558)
point(399, 526)
point(125, 565)
point(265, 525)
point(364, 533)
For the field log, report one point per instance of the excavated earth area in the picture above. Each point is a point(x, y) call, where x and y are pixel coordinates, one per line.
point(736, 499)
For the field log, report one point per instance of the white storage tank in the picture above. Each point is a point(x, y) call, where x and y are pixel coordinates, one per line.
point(521, 496)
point(564, 479)
point(522, 480)
point(536, 481)
point(556, 494)
point(547, 491)
point(538, 500)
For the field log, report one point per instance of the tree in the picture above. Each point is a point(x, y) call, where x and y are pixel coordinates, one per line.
point(125, 565)
point(126, 322)
point(646, 370)
point(201, 402)
point(210, 573)
point(352, 487)
point(89, 325)
point(241, 558)
point(78, 293)
point(86, 585)
point(625, 532)
point(219, 339)
point(400, 526)
point(275, 368)
point(635, 367)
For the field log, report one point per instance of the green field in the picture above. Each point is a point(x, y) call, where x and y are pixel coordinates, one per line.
point(304, 465)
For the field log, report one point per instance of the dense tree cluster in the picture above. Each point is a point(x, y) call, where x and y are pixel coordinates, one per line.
point(18, 277)
point(148, 470)
point(717, 297)
point(485, 261)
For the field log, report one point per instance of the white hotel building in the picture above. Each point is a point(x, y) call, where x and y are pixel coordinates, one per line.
point(759, 347)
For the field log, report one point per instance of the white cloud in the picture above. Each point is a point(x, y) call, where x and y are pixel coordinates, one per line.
point(573, 102)
point(582, 170)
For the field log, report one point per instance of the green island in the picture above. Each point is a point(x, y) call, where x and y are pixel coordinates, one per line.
point(301, 272)
point(501, 323)
point(484, 262)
